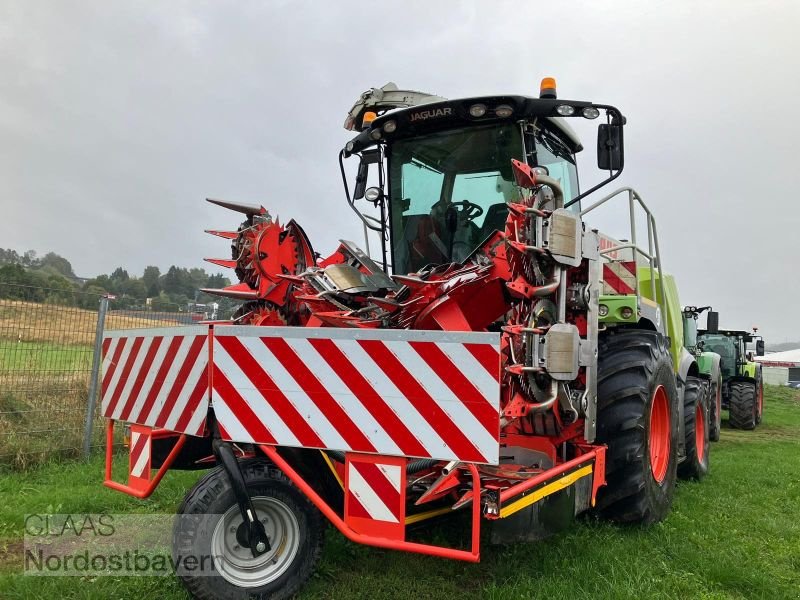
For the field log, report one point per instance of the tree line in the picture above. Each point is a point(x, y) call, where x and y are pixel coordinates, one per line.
point(50, 278)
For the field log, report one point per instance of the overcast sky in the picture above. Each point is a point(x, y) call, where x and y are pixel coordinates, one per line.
point(117, 120)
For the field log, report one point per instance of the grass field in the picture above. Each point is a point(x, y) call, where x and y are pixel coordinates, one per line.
point(735, 535)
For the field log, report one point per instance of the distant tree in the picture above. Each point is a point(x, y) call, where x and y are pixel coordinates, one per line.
point(150, 278)
point(9, 257)
point(57, 263)
point(29, 259)
point(119, 275)
point(60, 290)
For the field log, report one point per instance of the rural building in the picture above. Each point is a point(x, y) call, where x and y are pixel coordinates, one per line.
point(781, 367)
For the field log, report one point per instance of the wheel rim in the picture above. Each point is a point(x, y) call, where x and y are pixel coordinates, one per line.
point(700, 432)
point(659, 434)
point(719, 403)
point(236, 563)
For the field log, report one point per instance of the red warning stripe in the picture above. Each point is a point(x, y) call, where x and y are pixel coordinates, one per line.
point(144, 371)
point(615, 282)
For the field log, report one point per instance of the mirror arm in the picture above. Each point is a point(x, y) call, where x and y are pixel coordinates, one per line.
point(351, 202)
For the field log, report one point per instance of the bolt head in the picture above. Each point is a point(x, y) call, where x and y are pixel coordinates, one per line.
point(260, 547)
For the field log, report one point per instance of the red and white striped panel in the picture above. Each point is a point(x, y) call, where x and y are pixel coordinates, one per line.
point(375, 499)
point(140, 453)
point(395, 393)
point(157, 377)
point(619, 278)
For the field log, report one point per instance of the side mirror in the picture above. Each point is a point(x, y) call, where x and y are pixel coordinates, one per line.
point(712, 322)
point(759, 347)
point(368, 157)
point(610, 156)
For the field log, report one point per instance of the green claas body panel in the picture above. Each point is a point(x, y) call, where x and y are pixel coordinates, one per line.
point(749, 370)
point(705, 362)
point(674, 317)
point(615, 305)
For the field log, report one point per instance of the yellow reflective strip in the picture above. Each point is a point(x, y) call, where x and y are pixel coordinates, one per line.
point(550, 488)
point(649, 302)
point(427, 515)
point(332, 468)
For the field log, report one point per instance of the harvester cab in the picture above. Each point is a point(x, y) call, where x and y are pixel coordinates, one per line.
point(499, 356)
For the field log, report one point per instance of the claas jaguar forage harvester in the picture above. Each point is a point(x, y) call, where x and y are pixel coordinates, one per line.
point(497, 357)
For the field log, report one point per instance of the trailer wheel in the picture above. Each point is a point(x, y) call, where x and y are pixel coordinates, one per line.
point(209, 526)
point(638, 420)
point(715, 408)
point(695, 428)
point(743, 405)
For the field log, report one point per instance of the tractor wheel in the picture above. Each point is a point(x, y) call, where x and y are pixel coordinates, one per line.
point(760, 402)
point(715, 408)
point(743, 405)
point(695, 428)
point(638, 420)
point(209, 526)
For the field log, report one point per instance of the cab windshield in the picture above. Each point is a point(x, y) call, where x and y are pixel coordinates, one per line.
point(449, 190)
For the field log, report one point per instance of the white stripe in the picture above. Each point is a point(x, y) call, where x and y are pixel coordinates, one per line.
point(228, 420)
point(112, 385)
point(257, 403)
point(394, 399)
point(188, 387)
point(107, 358)
point(147, 385)
point(475, 372)
point(392, 474)
point(141, 462)
point(350, 404)
point(199, 415)
point(373, 504)
point(466, 422)
point(291, 389)
point(169, 380)
point(132, 376)
point(134, 438)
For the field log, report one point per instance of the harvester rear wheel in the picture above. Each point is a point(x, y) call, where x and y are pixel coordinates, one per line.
point(209, 526)
point(743, 405)
point(715, 408)
point(695, 428)
point(638, 420)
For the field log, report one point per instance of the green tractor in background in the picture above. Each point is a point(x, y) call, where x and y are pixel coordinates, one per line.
point(742, 384)
point(709, 364)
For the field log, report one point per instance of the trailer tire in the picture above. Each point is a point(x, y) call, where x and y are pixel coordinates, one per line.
point(695, 428)
point(207, 526)
point(743, 405)
point(715, 408)
point(638, 420)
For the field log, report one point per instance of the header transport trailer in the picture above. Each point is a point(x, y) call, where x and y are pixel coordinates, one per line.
point(499, 357)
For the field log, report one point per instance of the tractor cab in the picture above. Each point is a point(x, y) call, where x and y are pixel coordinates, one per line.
point(444, 168)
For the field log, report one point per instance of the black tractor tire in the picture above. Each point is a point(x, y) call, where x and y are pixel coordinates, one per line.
point(743, 405)
point(209, 524)
point(696, 429)
point(635, 375)
point(715, 408)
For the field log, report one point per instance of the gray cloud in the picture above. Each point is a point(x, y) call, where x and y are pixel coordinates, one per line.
point(116, 120)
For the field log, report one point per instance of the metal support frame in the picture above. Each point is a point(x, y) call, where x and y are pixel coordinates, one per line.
point(472, 555)
point(91, 404)
point(652, 255)
point(162, 470)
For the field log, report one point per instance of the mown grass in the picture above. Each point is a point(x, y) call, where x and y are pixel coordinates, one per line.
point(735, 535)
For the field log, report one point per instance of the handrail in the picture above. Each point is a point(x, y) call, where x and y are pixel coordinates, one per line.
point(653, 254)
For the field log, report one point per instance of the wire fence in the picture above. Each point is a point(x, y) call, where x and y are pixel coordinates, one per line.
point(47, 340)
